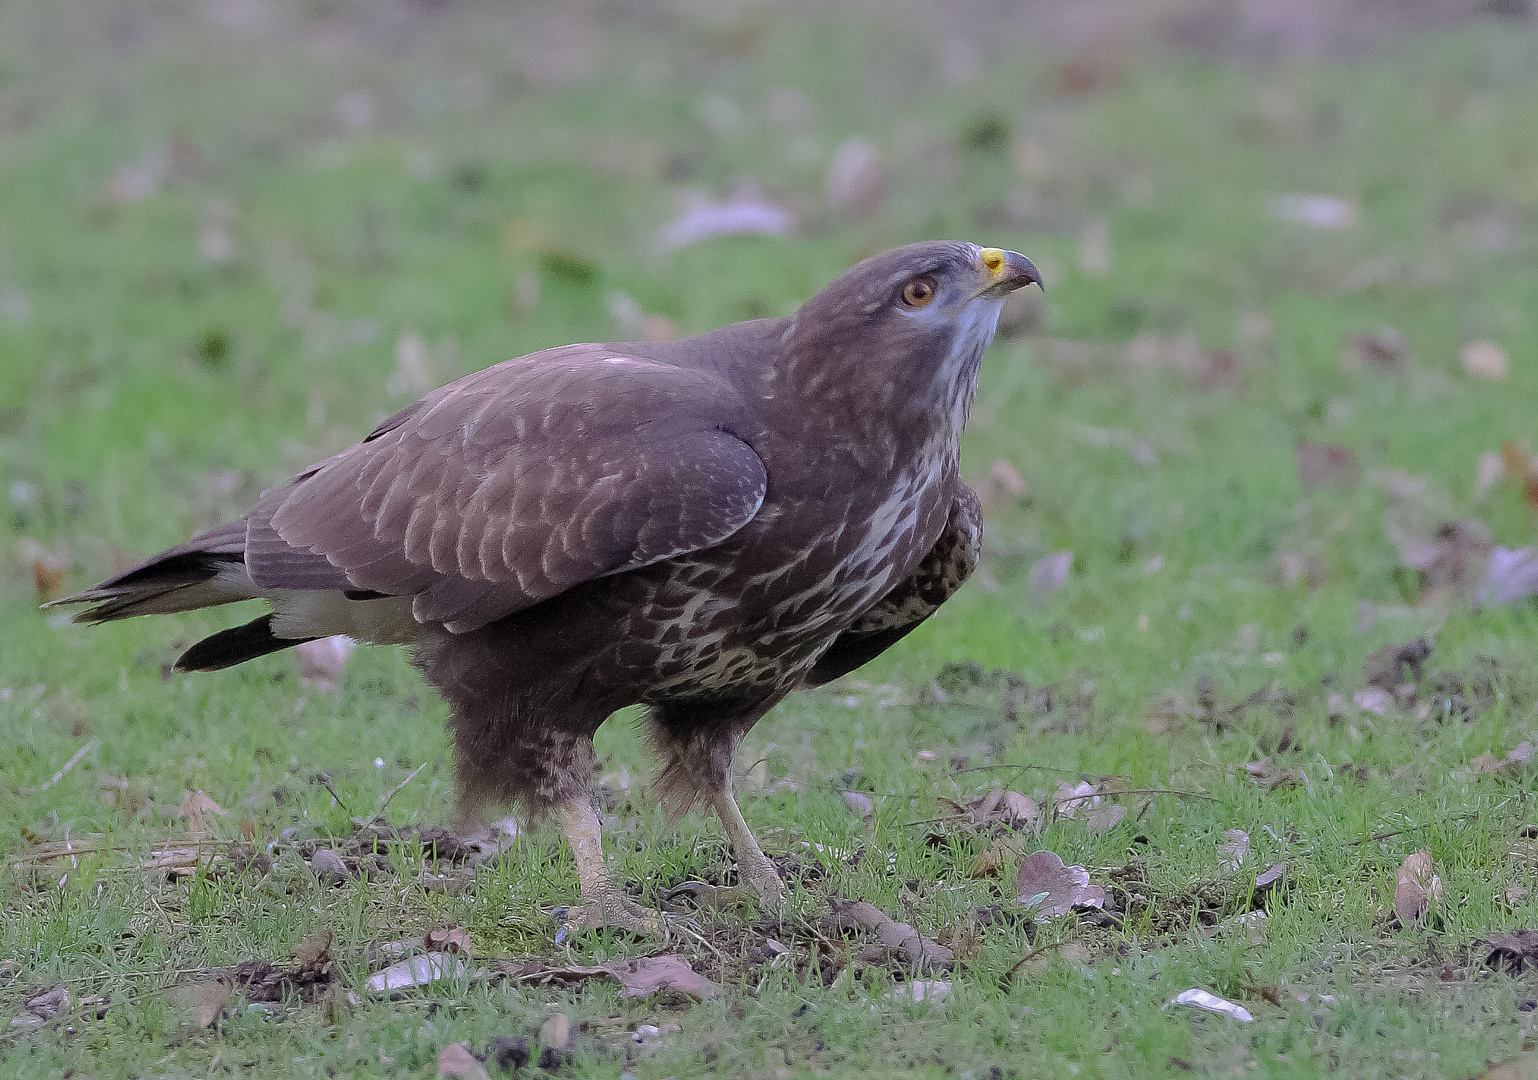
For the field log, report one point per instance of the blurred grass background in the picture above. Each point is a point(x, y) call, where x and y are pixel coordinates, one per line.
point(236, 233)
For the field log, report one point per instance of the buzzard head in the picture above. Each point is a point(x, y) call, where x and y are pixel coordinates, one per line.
point(906, 329)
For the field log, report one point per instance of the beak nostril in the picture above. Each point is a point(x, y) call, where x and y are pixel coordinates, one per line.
point(994, 260)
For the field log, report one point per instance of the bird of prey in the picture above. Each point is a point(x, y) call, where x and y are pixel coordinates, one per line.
point(698, 526)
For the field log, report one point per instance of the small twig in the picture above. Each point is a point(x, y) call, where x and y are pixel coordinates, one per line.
point(325, 782)
point(678, 924)
point(1019, 768)
point(68, 765)
point(393, 791)
point(1028, 957)
point(1075, 799)
point(1409, 828)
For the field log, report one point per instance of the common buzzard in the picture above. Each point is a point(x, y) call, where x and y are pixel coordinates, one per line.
point(699, 526)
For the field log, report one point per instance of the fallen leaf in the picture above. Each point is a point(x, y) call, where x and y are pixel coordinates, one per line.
point(329, 867)
point(455, 1060)
point(1484, 360)
point(418, 971)
point(1385, 349)
point(1417, 889)
point(556, 1032)
point(314, 952)
point(1003, 481)
point(747, 212)
point(453, 939)
point(213, 997)
point(1510, 576)
point(1269, 879)
point(1232, 852)
point(933, 991)
point(637, 978)
point(993, 858)
point(1051, 889)
point(1315, 211)
point(648, 975)
point(1516, 759)
point(1521, 468)
point(1513, 952)
point(899, 937)
point(1324, 463)
point(1050, 573)
point(1374, 700)
point(859, 805)
point(199, 809)
point(322, 662)
point(47, 568)
point(855, 183)
point(1198, 998)
point(1273, 777)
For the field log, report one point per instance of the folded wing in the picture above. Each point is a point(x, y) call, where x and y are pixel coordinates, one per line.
point(514, 484)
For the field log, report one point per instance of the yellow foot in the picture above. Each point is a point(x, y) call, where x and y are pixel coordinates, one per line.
point(611, 911)
point(760, 886)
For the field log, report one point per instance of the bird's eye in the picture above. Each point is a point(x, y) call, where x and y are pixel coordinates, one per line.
point(919, 292)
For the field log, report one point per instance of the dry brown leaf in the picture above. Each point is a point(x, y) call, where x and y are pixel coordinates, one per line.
point(453, 939)
point(1515, 952)
point(213, 996)
point(1417, 889)
point(994, 857)
point(455, 1060)
point(637, 978)
point(859, 805)
point(199, 810)
point(1324, 463)
point(1521, 468)
point(47, 569)
point(314, 952)
point(648, 975)
point(1051, 889)
point(1386, 349)
point(1516, 759)
point(329, 867)
point(1273, 777)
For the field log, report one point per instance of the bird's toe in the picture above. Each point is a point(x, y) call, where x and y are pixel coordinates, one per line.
point(608, 913)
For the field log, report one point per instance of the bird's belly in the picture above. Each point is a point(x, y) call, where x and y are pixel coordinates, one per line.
point(722, 620)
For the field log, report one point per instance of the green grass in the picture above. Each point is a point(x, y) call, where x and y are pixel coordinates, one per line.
point(149, 392)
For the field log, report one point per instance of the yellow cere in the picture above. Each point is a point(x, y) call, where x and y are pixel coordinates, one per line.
point(993, 259)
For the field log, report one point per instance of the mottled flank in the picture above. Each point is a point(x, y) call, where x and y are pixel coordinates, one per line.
point(700, 526)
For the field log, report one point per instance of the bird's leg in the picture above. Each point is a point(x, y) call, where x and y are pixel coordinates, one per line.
point(758, 882)
point(602, 904)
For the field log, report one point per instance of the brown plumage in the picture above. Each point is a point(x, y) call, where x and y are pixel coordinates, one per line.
point(699, 526)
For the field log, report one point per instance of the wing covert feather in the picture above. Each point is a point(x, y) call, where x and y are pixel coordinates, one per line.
point(518, 482)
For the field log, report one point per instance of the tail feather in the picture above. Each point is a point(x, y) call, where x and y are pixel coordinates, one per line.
point(235, 646)
point(182, 578)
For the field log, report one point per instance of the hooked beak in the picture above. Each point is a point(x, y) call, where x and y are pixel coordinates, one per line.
point(1005, 271)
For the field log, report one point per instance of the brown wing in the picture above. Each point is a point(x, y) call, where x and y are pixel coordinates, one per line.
point(515, 484)
point(915, 598)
